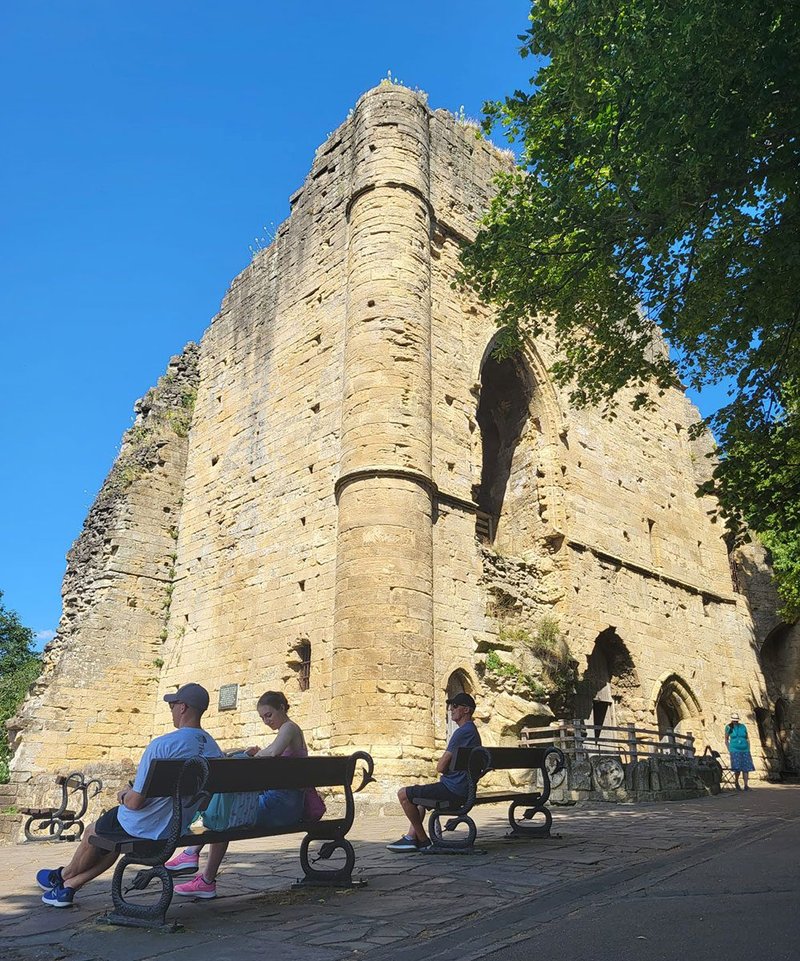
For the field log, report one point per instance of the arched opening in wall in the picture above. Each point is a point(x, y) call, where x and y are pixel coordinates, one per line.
point(602, 693)
point(783, 731)
point(773, 653)
point(675, 707)
point(457, 682)
point(506, 393)
point(765, 722)
point(778, 661)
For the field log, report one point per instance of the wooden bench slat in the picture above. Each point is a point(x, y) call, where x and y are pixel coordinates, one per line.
point(508, 796)
point(228, 775)
point(504, 758)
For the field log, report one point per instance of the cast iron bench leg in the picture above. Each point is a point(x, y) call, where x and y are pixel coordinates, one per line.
point(340, 877)
point(521, 829)
point(454, 845)
point(129, 914)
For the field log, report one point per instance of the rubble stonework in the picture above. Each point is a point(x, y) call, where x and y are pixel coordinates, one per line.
point(362, 483)
point(92, 707)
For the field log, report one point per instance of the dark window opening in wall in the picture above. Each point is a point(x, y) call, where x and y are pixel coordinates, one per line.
point(606, 683)
point(676, 707)
point(600, 709)
point(304, 674)
point(668, 716)
point(484, 527)
point(734, 569)
point(506, 392)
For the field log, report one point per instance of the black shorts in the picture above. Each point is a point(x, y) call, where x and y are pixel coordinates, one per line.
point(435, 792)
point(108, 825)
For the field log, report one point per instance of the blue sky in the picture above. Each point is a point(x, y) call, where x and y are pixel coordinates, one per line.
point(144, 148)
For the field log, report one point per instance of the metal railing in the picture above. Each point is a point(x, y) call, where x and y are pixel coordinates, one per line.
point(581, 740)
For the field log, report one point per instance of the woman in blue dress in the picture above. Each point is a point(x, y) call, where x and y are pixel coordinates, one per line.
point(738, 743)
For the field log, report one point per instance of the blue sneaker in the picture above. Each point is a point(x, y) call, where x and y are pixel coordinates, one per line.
point(59, 897)
point(47, 879)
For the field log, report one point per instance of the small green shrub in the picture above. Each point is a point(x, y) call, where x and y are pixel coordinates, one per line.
point(500, 668)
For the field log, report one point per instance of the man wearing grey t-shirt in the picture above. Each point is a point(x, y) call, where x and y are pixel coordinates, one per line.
point(136, 816)
point(451, 786)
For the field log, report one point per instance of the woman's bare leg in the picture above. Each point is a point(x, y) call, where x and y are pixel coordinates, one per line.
point(216, 852)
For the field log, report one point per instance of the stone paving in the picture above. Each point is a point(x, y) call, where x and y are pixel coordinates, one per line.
point(408, 898)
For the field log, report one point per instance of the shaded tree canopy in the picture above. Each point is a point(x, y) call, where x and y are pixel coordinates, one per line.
point(660, 197)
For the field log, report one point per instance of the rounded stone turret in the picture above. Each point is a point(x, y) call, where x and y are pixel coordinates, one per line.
point(383, 626)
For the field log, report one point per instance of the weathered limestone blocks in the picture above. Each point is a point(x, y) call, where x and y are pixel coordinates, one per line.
point(383, 621)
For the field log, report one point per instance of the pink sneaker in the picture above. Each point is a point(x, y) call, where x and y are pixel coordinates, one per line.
point(198, 887)
point(183, 862)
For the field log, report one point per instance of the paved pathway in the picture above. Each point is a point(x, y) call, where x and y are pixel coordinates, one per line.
point(415, 906)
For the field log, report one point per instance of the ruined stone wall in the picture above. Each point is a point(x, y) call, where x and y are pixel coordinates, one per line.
point(779, 654)
point(329, 494)
point(92, 707)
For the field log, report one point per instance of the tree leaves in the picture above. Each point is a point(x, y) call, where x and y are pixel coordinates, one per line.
point(660, 203)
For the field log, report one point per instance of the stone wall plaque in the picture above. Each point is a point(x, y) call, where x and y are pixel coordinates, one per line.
point(228, 697)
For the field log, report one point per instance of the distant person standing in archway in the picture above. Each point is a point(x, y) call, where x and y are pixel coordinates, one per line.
point(738, 743)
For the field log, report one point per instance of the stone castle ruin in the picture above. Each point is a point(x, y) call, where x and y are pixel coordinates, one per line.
point(341, 493)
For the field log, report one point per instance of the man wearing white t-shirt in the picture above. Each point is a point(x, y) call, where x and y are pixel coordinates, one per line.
point(136, 816)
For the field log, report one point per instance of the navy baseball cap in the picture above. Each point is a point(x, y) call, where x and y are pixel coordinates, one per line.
point(462, 699)
point(195, 695)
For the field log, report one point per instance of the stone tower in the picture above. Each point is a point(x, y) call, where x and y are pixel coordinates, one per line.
point(341, 493)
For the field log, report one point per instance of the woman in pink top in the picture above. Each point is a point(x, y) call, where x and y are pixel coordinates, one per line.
point(275, 808)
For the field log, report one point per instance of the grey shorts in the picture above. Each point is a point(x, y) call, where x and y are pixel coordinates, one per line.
point(108, 825)
point(435, 792)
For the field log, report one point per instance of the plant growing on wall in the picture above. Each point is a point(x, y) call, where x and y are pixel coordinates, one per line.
point(555, 680)
point(661, 198)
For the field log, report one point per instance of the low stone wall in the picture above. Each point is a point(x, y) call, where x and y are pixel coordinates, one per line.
point(10, 821)
point(656, 778)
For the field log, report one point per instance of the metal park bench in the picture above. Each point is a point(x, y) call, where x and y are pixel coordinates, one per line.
point(62, 823)
point(477, 762)
point(200, 776)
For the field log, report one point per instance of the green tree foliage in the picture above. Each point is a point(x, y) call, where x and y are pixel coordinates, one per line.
point(661, 196)
point(19, 668)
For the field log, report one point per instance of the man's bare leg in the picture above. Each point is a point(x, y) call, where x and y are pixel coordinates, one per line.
point(416, 828)
point(87, 863)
